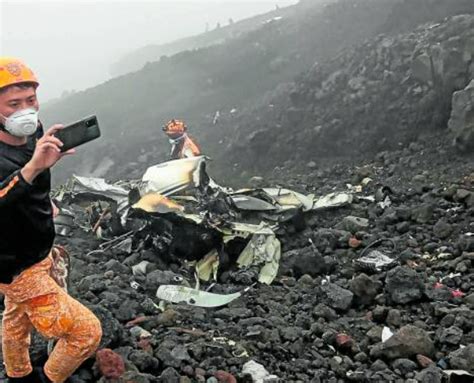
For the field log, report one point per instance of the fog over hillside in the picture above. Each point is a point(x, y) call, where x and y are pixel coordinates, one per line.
point(58, 38)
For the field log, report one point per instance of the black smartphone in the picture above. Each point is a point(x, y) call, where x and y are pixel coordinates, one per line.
point(79, 133)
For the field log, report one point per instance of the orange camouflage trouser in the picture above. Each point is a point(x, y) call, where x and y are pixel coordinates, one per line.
point(54, 314)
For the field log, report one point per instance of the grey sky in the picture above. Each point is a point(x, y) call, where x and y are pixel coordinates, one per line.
point(71, 44)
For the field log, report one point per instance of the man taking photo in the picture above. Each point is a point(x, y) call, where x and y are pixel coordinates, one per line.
point(32, 297)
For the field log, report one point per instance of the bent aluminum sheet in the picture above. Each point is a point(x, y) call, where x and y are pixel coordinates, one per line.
point(375, 261)
point(173, 176)
point(64, 223)
point(157, 203)
point(100, 187)
point(268, 199)
point(263, 249)
point(192, 297)
point(333, 200)
point(244, 230)
point(289, 199)
point(244, 202)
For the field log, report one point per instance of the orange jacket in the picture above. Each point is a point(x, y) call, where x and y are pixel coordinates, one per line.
point(184, 147)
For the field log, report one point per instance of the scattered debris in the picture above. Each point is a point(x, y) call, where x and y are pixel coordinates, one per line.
point(64, 223)
point(192, 297)
point(173, 176)
point(327, 316)
point(264, 250)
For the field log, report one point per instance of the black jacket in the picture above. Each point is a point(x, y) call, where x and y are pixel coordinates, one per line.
point(26, 217)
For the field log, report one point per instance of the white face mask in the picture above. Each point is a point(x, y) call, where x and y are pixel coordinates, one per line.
point(176, 141)
point(22, 123)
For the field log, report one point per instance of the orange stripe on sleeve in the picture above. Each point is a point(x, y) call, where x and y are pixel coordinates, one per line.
point(10, 186)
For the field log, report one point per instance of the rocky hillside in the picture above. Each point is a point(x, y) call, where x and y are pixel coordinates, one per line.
point(194, 85)
point(375, 96)
point(325, 318)
point(135, 60)
point(342, 79)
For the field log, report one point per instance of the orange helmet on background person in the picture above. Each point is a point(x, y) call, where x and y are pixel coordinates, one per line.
point(14, 71)
point(175, 128)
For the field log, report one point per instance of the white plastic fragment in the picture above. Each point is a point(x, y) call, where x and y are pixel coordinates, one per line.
point(326, 280)
point(386, 334)
point(140, 269)
point(387, 202)
point(134, 285)
point(258, 373)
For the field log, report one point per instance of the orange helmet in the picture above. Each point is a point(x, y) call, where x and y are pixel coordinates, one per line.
point(175, 128)
point(14, 71)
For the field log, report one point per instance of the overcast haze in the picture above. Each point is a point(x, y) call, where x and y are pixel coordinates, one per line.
point(71, 44)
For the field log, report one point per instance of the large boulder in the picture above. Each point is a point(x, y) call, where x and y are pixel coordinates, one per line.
point(337, 297)
point(421, 68)
point(408, 342)
point(463, 358)
point(404, 285)
point(461, 123)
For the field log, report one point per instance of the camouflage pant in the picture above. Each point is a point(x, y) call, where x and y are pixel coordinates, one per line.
point(54, 314)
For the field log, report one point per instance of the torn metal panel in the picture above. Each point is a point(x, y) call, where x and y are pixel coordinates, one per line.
point(100, 190)
point(124, 246)
point(375, 261)
point(64, 223)
point(243, 202)
point(192, 297)
point(173, 176)
point(98, 186)
point(369, 198)
point(157, 203)
point(263, 249)
point(194, 217)
point(289, 199)
point(207, 267)
point(244, 230)
point(333, 200)
point(279, 199)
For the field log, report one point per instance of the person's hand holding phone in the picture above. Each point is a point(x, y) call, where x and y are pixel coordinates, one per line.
point(47, 153)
